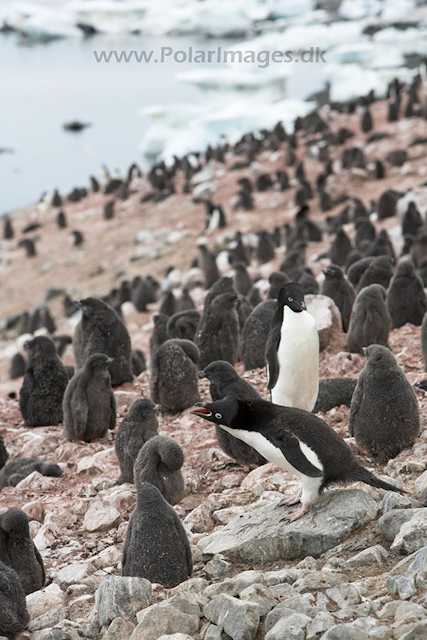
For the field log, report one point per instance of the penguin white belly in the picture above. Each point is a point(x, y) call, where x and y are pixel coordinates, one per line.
point(310, 486)
point(298, 355)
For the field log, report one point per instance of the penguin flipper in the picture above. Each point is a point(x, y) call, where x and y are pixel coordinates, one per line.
point(290, 446)
point(80, 412)
point(113, 412)
point(356, 401)
point(40, 561)
point(184, 540)
point(273, 366)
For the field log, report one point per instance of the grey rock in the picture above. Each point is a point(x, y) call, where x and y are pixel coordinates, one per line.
point(192, 585)
point(212, 632)
point(291, 627)
point(403, 586)
point(373, 556)
point(349, 631)
point(261, 595)
point(216, 568)
point(90, 630)
point(163, 620)
point(389, 610)
point(49, 619)
point(412, 535)
point(276, 614)
point(283, 576)
point(280, 591)
point(396, 501)
point(344, 595)
point(391, 522)
point(189, 603)
point(407, 616)
point(233, 586)
point(239, 619)
point(121, 597)
point(320, 623)
point(421, 483)
point(419, 632)
point(262, 535)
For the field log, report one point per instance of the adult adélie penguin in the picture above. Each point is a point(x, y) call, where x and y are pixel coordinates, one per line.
point(296, 441)
point(292, 351)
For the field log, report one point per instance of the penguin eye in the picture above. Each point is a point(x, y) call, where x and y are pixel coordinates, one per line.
point(290, 299)
point(218, 416)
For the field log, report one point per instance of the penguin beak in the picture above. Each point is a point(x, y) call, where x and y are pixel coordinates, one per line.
point(201, 374)
point(201, 410)
point(78, 303)
point(303, 306)
point(109, 360)
point(364, 349)
point(157, 407)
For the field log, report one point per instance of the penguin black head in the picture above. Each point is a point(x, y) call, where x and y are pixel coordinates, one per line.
point(220, 412)
point(377, 353)
point(40, 344)
point(98, 361)
point(292, 296)
point(332, 272)
point(219, 371)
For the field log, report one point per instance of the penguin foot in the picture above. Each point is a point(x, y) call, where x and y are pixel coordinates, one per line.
point(298, 513)
point(292, 499)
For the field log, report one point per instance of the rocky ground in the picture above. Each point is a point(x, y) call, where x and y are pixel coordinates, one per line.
point(358, 559)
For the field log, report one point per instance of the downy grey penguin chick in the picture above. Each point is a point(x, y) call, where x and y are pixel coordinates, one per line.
point(369, 320)
point(296, 441)
point(342, 292)
point(20, 550)
point(184, 325)
point(255, 333)
point(173, 381)
point(44, 384)
point(225, 381)
point(13, 472)
point(14, 615)
point(101, 330)
point(89, 404)
point(406, 298)
point(156, 545)
point(139, 425)
point(159, 462)
point(159, 335)
point(292, 352)
point(384, 416)
point(333, 392)
point(219, 335)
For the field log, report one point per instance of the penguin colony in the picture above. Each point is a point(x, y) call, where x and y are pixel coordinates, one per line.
point(256, 311)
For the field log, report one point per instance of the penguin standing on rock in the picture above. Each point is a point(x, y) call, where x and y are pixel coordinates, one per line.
point(369, 320)
point(44, 384)
point(296, 441)
point(173, 380)
point(101, 330)
point(292, 352)
point(254, 335)
point(89, 404)
point(384, 416)
point(406, 298)
point(225, 381)
point(219, 334)
point(159, 462)
point(137, 427)
point(156, 545)
point(184, 324)
point(340, 290)
point(14, 615)
point(18, 550)
point(208, 265)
